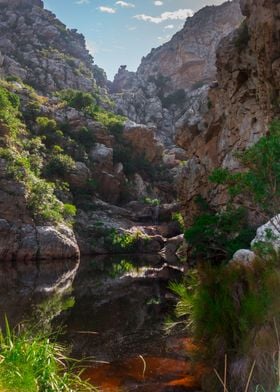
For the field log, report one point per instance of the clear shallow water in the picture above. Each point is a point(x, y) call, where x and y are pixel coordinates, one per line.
point(113, 310)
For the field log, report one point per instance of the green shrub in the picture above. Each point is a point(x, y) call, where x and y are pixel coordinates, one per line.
point(216, 236)
point(46, 125)
point(85, 137)
point(223, 306)
point(69, 211)
point(13, 78)
point(178, 217)
point(59, 165)
point(258, 184)
point(77, 99)
point(9, 112)
point(243, 37)
point(113, 122)
point(35, 363)
point(43, 203)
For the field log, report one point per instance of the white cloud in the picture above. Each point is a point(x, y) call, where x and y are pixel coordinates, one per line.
point(81, 2)
point(91, 47)
point(165, 38)
point(131, 28)
point(107, 10)
point(125, 4)
point(180, 14)
point(169, 27)
point(158, 3)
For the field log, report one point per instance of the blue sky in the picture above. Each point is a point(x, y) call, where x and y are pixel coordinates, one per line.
point(121, 32)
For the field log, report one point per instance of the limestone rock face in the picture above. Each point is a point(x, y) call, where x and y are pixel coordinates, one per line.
point(38, 48)
point(168, 84)
point(143, 140)
point(240, 105)
point(190, 56)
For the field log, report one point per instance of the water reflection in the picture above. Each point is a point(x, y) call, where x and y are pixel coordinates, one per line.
point(25, 285)
point(112, 309)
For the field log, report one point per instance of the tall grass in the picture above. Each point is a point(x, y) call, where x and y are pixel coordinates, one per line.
point(36, 363)
point(232, 310)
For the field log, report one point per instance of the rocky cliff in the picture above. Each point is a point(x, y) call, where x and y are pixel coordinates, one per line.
point(172, 81)
point(36, 47)
point(241, 105)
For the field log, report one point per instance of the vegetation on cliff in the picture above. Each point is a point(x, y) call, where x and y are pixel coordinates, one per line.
point(232, 309)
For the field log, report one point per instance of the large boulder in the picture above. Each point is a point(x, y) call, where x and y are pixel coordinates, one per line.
point(25, 242)
point(269, 233)
point(143, 140)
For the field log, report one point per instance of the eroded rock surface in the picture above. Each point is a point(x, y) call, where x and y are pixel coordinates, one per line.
point(241, 104)
point(36, 47)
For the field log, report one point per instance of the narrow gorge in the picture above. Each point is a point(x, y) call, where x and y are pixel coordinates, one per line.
point(123, 200)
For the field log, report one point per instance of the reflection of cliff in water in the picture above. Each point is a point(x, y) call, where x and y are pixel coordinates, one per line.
point(23, 285)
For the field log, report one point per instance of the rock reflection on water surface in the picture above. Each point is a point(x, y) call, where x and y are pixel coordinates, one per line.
point(23, 286)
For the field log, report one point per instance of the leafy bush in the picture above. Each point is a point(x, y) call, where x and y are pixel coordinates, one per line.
point(9, 112)
point(113, 122)
point(84, 137)
point(69, 211)
point(241, 41)
point(46, 125)
point(34, 363)
point(216, 236)
point(78, 99)
point(41, 199)
point(232, 310)
point(59, 165)
point(258, 185)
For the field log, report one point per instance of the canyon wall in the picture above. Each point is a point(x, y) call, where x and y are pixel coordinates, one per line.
point(36, 47)
point(240, 105)
point(172, 81)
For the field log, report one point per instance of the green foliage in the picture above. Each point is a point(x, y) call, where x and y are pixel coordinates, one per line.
point(78, 99)
point(216, 236)
point(121, 268)
point(59, 165)
point(46, 124)
point(243, 37)
point(48, 129)
point(123, 242)
point(151, 202)
point(178, 217)
point(9, 112)
point(41, 199)
point(69, 210)
point(132, 162)
point(34, 363)
point(259, 182)
point(13, 78)
point(113, 122)
point(223, 306)
point(85, 137)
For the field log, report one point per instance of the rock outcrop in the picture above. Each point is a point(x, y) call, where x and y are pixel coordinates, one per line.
point(168, 84)
point(190, 56)
point(36, 47)
point(241, 104)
